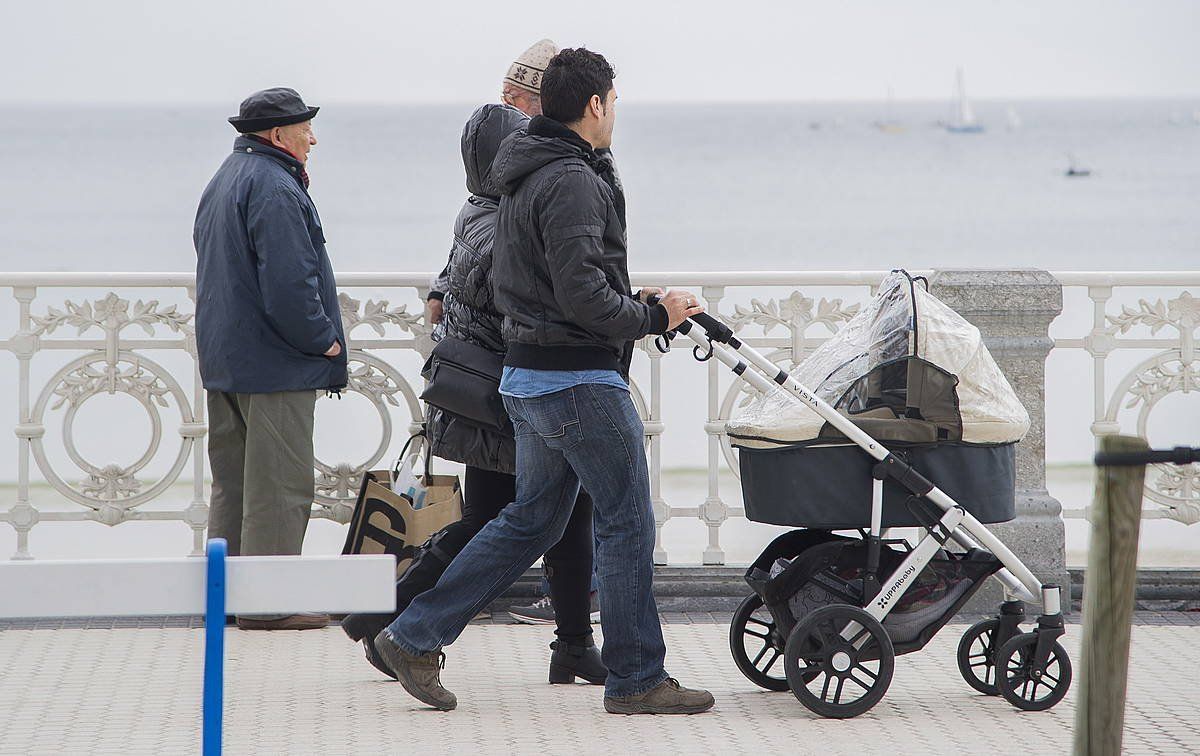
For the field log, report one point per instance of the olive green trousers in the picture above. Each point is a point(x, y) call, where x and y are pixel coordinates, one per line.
point(260, 451)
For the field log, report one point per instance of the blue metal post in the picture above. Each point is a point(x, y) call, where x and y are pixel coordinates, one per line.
point(214, 647)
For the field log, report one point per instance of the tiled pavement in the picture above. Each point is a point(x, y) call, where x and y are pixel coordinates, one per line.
point(502, 618)
point(128, 690)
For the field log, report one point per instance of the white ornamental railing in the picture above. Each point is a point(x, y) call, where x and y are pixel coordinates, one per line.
point(1160, 330)
point(78, 336)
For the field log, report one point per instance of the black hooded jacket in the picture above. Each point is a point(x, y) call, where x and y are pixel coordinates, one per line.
point(559, 272)
point(465, 286)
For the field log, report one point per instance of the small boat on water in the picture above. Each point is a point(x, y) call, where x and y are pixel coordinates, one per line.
point(888, 124)
point(962, 118)
point(1075, 170)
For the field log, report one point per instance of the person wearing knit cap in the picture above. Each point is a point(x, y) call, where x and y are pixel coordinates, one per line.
point(522, 87)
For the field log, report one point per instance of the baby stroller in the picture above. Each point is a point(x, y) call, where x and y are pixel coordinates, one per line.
point(909, 423)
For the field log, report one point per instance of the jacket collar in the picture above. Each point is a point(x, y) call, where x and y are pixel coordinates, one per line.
point(548, 127)
point(293, 166)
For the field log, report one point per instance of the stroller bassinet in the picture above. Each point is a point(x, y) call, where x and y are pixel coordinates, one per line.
point(915, 376)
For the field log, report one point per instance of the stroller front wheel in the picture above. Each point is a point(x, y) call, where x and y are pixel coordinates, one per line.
point(756, 644)
point(839, 661)
point(1019, 677)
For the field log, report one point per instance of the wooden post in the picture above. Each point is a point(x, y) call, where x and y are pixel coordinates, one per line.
point(1108, 594)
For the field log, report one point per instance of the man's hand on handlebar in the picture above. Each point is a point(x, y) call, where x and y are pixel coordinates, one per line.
point(680, 305)
point(650, 295)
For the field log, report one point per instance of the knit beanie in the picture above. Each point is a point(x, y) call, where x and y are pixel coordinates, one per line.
point(526, 72)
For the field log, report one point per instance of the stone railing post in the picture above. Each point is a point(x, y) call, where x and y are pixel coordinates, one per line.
point(1013, 310)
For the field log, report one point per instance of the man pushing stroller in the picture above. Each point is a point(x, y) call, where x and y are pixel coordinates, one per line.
point(561, 281)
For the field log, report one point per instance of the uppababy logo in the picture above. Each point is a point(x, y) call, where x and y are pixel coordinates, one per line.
point(883, 600)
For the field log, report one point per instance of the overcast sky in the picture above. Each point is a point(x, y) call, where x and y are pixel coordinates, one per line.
point(126, 51)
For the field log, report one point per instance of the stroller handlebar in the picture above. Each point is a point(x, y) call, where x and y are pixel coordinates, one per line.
point(1180, 455)
point(716, 330)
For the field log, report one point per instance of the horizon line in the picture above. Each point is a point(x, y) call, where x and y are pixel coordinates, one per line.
point(740, 102)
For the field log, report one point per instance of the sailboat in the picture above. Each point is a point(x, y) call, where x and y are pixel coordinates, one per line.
point(1075, 170)
point(888, 124)
point(962, 120)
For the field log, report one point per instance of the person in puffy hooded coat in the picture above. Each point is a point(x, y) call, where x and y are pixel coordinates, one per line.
point(465, 288)
point(469, 314)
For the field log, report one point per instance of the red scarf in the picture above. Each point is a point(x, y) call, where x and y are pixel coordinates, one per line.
point(267, 142)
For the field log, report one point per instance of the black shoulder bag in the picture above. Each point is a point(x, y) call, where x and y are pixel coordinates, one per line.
point(464, 380)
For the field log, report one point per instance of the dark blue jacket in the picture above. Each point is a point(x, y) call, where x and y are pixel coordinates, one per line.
point(266, 300)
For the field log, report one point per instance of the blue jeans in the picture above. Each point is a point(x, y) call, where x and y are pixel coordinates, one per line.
point(591, 434)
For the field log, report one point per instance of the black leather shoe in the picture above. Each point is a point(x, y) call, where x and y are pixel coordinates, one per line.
point(570, 661)
point(306, 621)
point(365, 626)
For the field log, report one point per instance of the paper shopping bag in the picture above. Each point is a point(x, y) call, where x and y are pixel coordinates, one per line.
point(387, 518)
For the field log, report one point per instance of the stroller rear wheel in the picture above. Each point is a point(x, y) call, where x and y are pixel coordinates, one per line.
point(977, 656)
point(1019, 678)
point(839, 661)
point(756, 645)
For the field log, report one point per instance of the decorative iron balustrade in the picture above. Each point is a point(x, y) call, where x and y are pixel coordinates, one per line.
point(1170, 365)
point(98, 337)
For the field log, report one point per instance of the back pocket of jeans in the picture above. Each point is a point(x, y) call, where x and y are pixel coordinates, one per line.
point(554, 417)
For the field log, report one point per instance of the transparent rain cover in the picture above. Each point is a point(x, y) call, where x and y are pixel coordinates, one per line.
point(879, 333)
point(883, 331)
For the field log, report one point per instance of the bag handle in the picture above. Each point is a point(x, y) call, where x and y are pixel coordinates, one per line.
point(404, 454)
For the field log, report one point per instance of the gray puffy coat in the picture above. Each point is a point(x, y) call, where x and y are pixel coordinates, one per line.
point(466, 288)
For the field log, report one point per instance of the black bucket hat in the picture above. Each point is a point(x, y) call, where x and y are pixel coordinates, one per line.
point(279, 106)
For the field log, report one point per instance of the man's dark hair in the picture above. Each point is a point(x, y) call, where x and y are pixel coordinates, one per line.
point(571, 78)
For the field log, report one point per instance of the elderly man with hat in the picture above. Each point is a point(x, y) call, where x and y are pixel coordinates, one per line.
point(269, 335)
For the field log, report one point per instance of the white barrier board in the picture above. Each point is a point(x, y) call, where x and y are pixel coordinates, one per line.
point(158, 587)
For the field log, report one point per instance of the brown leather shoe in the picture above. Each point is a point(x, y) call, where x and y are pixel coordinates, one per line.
point(294, 622)
point(669, 697)
point(420, 675)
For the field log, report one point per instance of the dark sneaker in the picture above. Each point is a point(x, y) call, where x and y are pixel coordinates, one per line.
point(669, 697)
point(373, 658)
point(418, 674)
point(541, 612)
point(293, 622)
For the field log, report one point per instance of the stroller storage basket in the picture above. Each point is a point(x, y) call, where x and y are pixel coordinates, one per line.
point(830, 569)
point(829, 486)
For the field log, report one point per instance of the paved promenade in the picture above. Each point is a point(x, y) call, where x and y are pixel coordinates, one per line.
point(130, 690)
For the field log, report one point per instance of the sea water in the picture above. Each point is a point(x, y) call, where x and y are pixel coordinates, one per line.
point(807, 186)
